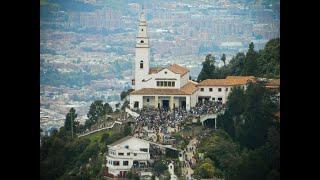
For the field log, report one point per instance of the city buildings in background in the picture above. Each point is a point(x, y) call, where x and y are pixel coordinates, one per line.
point(86, 51)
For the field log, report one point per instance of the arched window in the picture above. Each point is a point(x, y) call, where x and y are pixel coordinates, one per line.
point(141, 64)
point(142, 41)
point(141, 29)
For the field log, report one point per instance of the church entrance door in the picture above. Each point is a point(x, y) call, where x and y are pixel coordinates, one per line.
point(165, 104)
point(183, 104)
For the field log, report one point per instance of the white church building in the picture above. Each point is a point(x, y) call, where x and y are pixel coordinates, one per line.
point(169, 87)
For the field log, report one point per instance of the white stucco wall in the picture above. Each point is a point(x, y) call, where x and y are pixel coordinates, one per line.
point(193, 99)
point(215, 93)
point(133, 98)
point(188, 103)
point(142, 54)
point(184, 79)
point(151, 102)
point(170, 75)
point(151, 82)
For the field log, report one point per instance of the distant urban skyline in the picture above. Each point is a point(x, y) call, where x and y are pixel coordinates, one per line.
point(87, 50)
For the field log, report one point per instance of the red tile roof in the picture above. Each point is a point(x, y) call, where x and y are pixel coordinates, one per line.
point(229, 81)
point(190, 87)
point(178, 69)
point(175, 68)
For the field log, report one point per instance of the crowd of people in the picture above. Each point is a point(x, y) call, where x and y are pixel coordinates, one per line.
point(159, 119)
point(207, 107)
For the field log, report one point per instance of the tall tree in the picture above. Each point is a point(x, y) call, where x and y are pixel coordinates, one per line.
point(236, 102)
point(252, 165)
point(97, 110)
point(70, 123)
point(223, 59)
point(250, 63)
point(249, 114)
point(236, 64)
point(269, 59)
point(208, 68)
point(108, 108)
point(257, 117)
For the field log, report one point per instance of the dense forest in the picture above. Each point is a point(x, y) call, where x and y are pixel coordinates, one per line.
point(247, 144)
point(262, 63)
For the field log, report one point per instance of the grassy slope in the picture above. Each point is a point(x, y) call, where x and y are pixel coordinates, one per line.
point(95, 137)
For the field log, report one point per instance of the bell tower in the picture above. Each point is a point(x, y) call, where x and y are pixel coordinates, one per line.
point(142, 55)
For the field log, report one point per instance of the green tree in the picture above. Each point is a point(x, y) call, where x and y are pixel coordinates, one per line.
point(52, 159)
point(236, 64)
point(251, 166)
point(249, 115)
point(205, 170)
point(108, 108)
point(257, 117)
point(127, 130)
point(70, 124)
point(160, 167)
point(132, 176)
point(208, 68)
point(90, 151)
point(96, 111)
point(269, 59)
point(264, 63)
point(250, 63)
point(221, 149)
point(223, 59)
point(235, 108)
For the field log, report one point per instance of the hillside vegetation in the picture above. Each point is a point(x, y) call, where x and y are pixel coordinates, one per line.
point(262, 63)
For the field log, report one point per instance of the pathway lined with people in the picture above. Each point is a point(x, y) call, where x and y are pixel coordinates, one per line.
point(100, 129)
point(189, 159)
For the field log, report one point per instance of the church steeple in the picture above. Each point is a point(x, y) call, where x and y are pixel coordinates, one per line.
point(142, 37)
point(142, 53)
